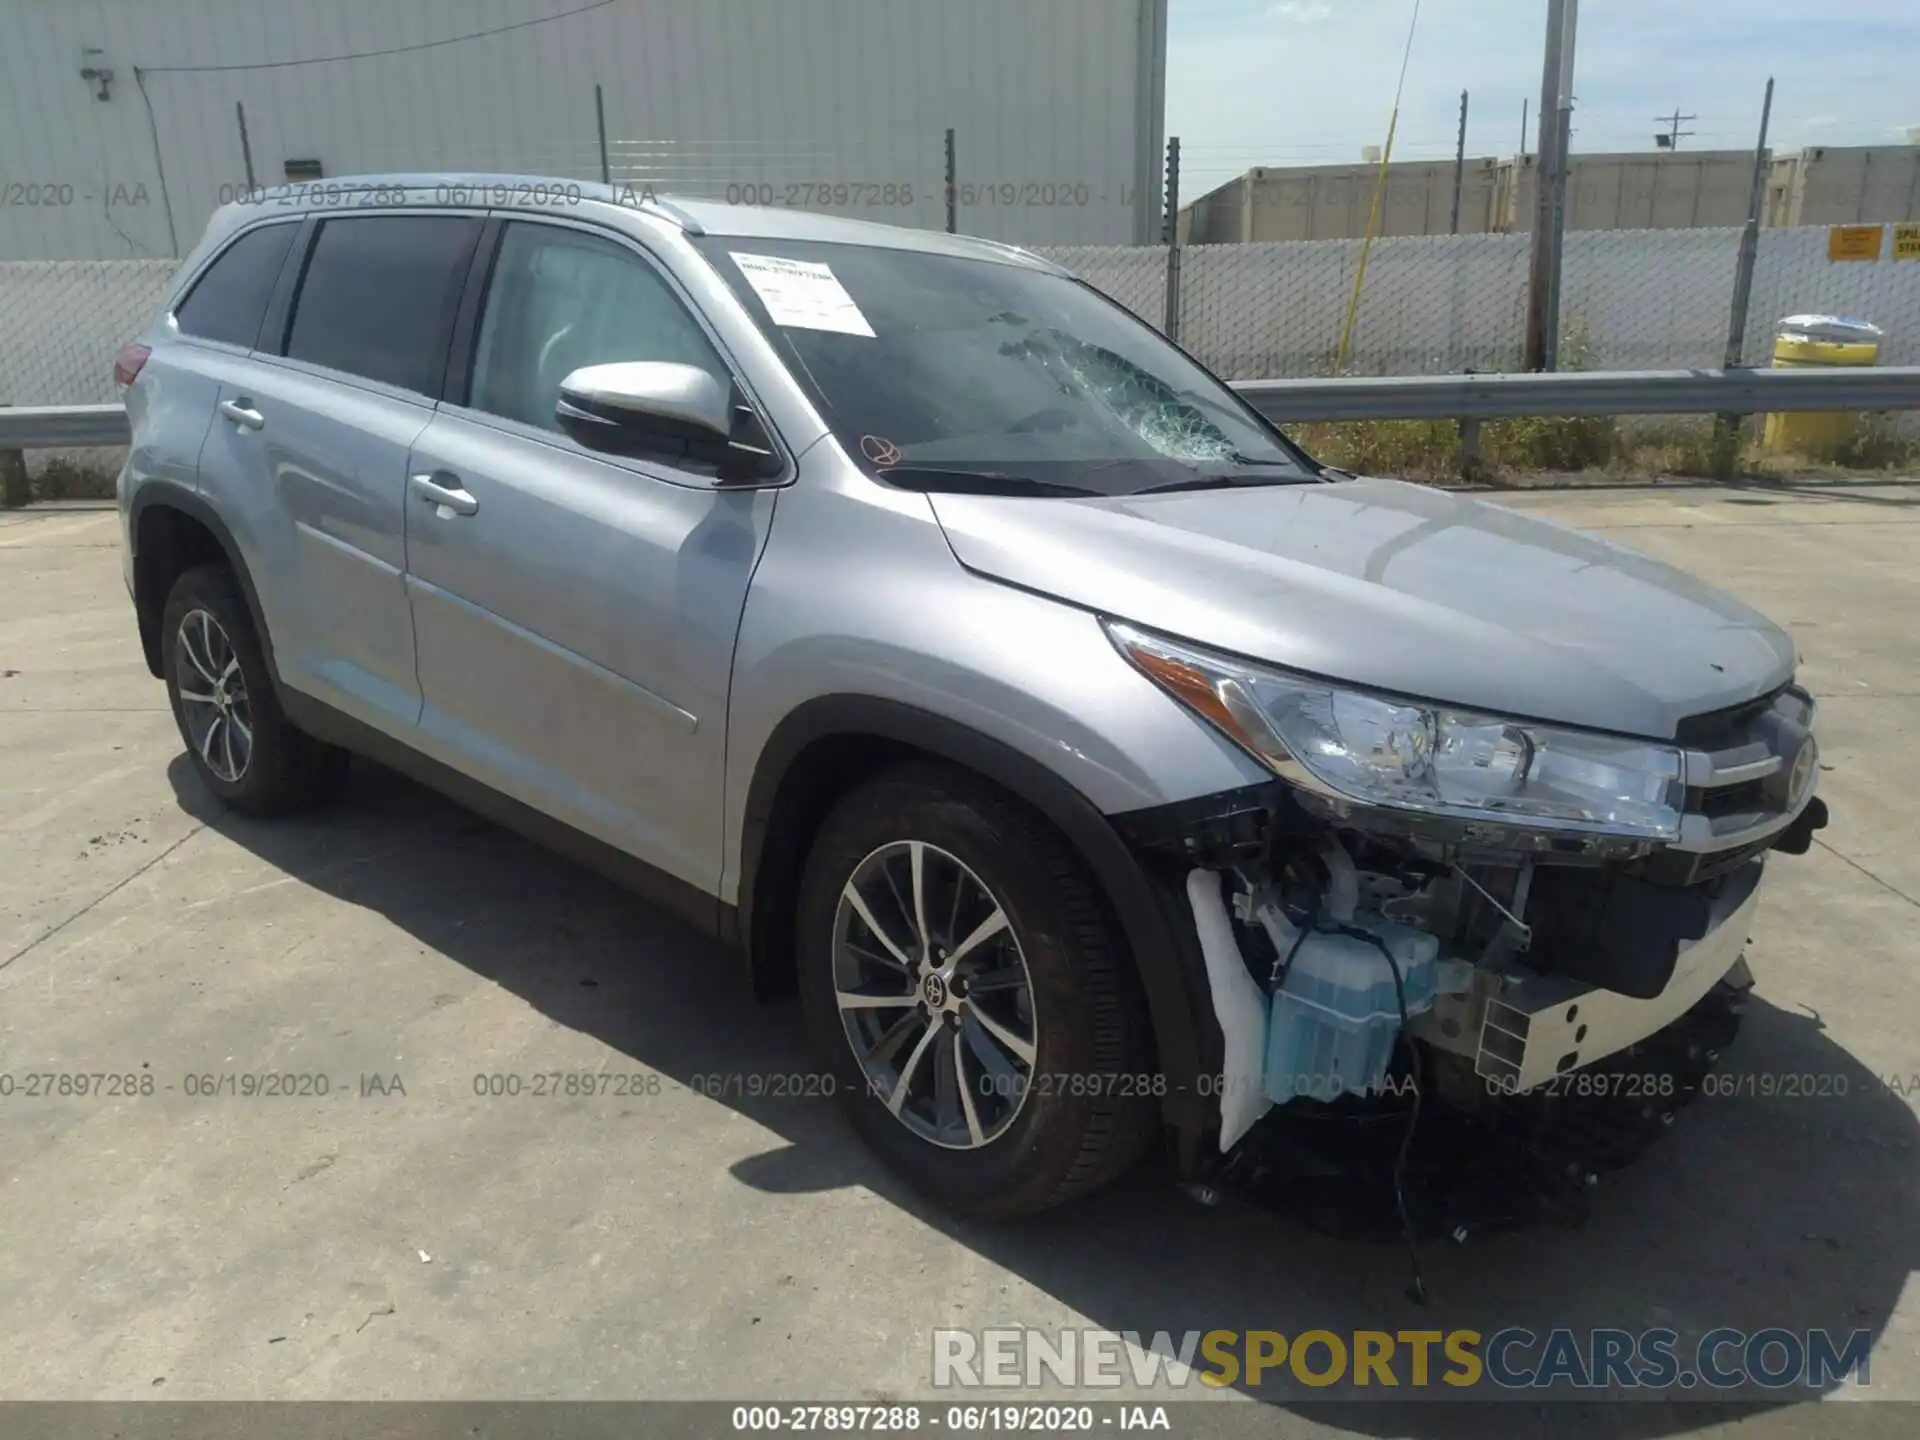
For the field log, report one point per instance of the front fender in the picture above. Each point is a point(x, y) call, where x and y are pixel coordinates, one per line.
point(862, 629)
point(1158, 932)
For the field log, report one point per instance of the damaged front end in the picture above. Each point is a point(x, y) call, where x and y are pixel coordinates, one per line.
point(1532, 931)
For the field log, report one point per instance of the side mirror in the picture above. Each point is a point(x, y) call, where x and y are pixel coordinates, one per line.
point(660, 410)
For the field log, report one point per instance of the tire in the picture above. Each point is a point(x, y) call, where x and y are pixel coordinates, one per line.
point(242, 745)
point(1030, 1133)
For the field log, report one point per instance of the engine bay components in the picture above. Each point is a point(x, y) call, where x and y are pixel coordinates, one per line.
point(1523, 1029)
point(1335, 951)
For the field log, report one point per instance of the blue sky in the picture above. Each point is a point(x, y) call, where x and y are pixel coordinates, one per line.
point(1302, 82)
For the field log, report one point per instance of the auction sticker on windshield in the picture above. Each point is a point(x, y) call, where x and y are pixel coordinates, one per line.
point(802, 294)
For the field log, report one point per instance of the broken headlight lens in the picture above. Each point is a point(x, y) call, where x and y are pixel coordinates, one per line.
point(1410, 755)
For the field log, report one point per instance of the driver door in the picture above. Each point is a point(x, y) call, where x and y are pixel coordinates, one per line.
point(574, 613)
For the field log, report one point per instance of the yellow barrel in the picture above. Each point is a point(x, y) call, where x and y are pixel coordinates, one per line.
point(1807, 341)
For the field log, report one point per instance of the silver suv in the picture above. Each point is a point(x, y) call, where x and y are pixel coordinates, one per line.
point(1096, 764)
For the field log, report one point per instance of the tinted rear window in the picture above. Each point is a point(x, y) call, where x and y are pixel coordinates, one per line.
point(379, 297)
point(227, 302)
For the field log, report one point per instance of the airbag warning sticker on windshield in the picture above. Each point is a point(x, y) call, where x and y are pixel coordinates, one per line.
point(802, 295)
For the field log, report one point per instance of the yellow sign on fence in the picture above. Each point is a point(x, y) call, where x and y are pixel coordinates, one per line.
point(1906, 242)
point(1855, 242)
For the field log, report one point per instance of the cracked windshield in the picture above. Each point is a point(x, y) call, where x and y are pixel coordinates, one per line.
point(946, 372)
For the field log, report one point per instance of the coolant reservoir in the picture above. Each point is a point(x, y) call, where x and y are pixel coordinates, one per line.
point(1335, 1017)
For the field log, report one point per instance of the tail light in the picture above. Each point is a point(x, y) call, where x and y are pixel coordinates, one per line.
point(126, 365)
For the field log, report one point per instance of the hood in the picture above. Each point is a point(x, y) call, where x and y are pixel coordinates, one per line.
point(1393, 587)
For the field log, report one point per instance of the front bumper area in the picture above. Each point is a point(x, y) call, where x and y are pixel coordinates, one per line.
point(1522, 1029)
point(1620, 947)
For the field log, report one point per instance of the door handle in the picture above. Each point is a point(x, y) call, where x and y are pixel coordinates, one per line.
point(449, 497)
point(242, 413)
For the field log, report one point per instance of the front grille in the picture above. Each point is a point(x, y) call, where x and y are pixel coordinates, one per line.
point(1720, 729)
point(1748, 772)
point(1741, 798)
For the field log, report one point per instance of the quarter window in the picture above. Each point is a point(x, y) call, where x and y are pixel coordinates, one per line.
point(560, 299)
point(228, 301)
point(379, 296)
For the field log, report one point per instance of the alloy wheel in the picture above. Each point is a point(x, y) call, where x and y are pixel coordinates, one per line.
point(934, 994)
point(213, 696)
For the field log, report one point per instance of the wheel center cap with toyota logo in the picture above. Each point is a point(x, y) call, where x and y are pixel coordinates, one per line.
point(934, 991)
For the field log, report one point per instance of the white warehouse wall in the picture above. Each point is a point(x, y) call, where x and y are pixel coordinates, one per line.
point(840, 105)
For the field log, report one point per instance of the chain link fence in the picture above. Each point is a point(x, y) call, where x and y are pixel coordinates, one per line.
point(63, 321)
point(1630, 300)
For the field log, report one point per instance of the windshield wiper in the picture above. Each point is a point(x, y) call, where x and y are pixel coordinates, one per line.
point(1228, 482)
point(974, 482)
point(1287, 460)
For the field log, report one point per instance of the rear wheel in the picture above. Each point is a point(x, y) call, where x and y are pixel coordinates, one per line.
point(240, 741)
point(964, 986)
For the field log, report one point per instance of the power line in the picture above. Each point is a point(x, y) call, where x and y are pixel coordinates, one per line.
point(376, 54)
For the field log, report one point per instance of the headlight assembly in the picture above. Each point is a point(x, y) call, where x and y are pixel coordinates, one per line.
point(1412, 755)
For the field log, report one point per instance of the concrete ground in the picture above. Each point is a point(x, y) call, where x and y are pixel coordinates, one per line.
point(663, 1243)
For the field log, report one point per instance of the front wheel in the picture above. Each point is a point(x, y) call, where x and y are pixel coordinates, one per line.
point(966, 989)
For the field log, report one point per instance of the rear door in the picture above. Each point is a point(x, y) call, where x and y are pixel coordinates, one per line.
point(575, 614)
point(201, 343)
point(309, 451)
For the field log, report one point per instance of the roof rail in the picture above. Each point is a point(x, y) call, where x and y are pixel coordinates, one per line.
point(678, 214)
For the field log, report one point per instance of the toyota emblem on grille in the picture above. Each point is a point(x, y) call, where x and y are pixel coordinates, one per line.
point(1800, 776)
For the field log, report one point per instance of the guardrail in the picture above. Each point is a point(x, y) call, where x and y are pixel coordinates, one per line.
point(1466, 398)
point(1591, 392)
point(52, 427)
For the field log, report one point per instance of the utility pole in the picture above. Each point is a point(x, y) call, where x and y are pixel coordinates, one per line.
point(1750, 237)
point(1459, 165)
point(1726, 446)
point(1674, 134)
point(1549, 219)
point(1523, 128)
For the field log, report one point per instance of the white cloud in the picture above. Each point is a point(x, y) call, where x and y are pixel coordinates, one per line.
point(1302, 12)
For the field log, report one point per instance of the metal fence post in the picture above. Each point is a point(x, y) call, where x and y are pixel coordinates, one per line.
point(600, 121)
point(15, 488)
point(1459, 165)
point(246, 145)
point(1471, 470)
point(953, 187)
point(1170, 233)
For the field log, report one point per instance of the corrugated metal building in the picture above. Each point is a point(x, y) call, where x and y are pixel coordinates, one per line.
point(1332, 202)
point(1664, 190)
point(120, 120)
point(1696, 189)
point(1845, 185)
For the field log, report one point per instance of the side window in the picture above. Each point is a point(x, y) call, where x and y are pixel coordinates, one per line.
point(560, 299)
point(379, 295)
point(226, 303)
